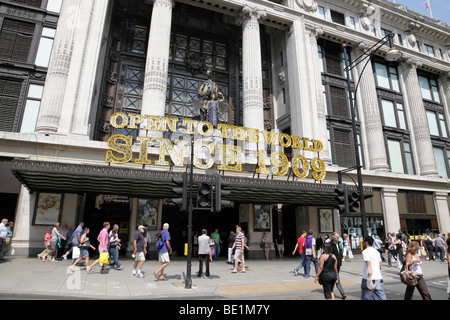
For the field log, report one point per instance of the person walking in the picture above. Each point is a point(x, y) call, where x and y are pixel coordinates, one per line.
point(54, 243)
point(212, 247)
point(310, 254)
point(327, 273)
point(76, 236)
point(103, 243)
point(8, 240)
point(239, 245)
point(64, 232)
point(279, 241)
point(440, 246)
point(218, 243)
point(372, 286)
point(148, 238)
point(3, 234)
point(336, 250)
point(319, 246)
point(414, 264)
point(230, 241)
point(399, 244)
point(430, 247)
point(47, 239)
point(114, 246)
point(447, 254)
point(265, 245)
point(378, 245)
point(203, 254)
point(164, 253)
point(84, 246)
point(301, 250)
point(346, 249)
point(390, 247)
point(140, 244)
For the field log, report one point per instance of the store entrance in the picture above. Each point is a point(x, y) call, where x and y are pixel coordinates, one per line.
point(224, 221)
point(112, 209)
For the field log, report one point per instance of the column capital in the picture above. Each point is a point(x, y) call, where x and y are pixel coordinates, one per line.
point(412, 63)
point(165, 3)
point(314, 30)
point(250, 13)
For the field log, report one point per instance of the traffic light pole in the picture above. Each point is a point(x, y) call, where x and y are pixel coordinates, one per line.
point(188, 282)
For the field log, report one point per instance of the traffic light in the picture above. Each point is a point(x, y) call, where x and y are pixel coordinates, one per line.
point(182, 191)
point(341, 198)
point(205, 196)
point(353, 198)
point(221, 193)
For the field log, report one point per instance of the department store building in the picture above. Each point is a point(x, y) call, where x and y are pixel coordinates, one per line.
point(69, 67)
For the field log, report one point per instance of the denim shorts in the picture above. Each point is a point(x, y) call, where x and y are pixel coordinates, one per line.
point(84, 252)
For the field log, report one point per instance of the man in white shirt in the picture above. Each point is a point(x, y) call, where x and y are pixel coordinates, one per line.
point(3, 241)
point(372, 287)
point(203, 253)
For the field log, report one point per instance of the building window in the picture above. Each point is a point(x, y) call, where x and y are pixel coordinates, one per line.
point(45, 47)
point(321, 11)
point(387, 77)
point(15, 38)
point(31, 3)
point(343, 150)
point(437, 124)
point(400, 156)
point(393, 114)
point(441, 161)
point(429, 50)
point(54, 6)
point(429, 88)
point(337, 17)
point(32, 106)
point(9, 99)
point(352, 22)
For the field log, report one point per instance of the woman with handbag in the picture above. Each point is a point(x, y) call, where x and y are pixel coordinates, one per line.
point(414, 265)
point(84, 246)
point(327, 273)
point(103, 244)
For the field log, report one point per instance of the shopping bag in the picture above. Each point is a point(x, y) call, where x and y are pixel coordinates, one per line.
point(75, 252)
point(104, 256)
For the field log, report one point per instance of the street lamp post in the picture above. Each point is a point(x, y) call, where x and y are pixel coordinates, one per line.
point(393, 54)
point(188, 283)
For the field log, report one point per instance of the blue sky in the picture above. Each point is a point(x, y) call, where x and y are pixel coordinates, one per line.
point(439, 8)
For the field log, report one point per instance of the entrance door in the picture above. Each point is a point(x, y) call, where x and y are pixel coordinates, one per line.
point(224, 221)
point(114, 210)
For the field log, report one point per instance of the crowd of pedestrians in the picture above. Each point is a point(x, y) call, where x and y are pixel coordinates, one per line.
point(327, 255)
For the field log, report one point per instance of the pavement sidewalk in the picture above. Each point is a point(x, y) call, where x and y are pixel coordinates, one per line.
point(31, 278)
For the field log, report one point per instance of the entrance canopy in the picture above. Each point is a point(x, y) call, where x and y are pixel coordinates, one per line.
point(59, 177)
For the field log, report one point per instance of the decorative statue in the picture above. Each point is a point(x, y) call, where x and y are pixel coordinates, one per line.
point(210, 101)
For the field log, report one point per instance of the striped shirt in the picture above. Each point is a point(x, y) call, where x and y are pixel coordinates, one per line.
point(239, 240)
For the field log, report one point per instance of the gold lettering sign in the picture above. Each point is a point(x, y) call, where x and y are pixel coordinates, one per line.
point(227, 156)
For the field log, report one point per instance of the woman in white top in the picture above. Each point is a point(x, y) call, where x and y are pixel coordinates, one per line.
point(347, 248)
point(414, 264)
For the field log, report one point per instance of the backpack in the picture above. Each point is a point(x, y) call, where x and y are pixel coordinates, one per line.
point(308, 242)
point(159, 241)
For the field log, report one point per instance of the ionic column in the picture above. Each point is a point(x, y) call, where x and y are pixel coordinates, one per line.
point(252, 67)
point(83, 69)
point(58, 71)
point(317, 119)
point(157, 64)
point(371, 113)
point(421, 132)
